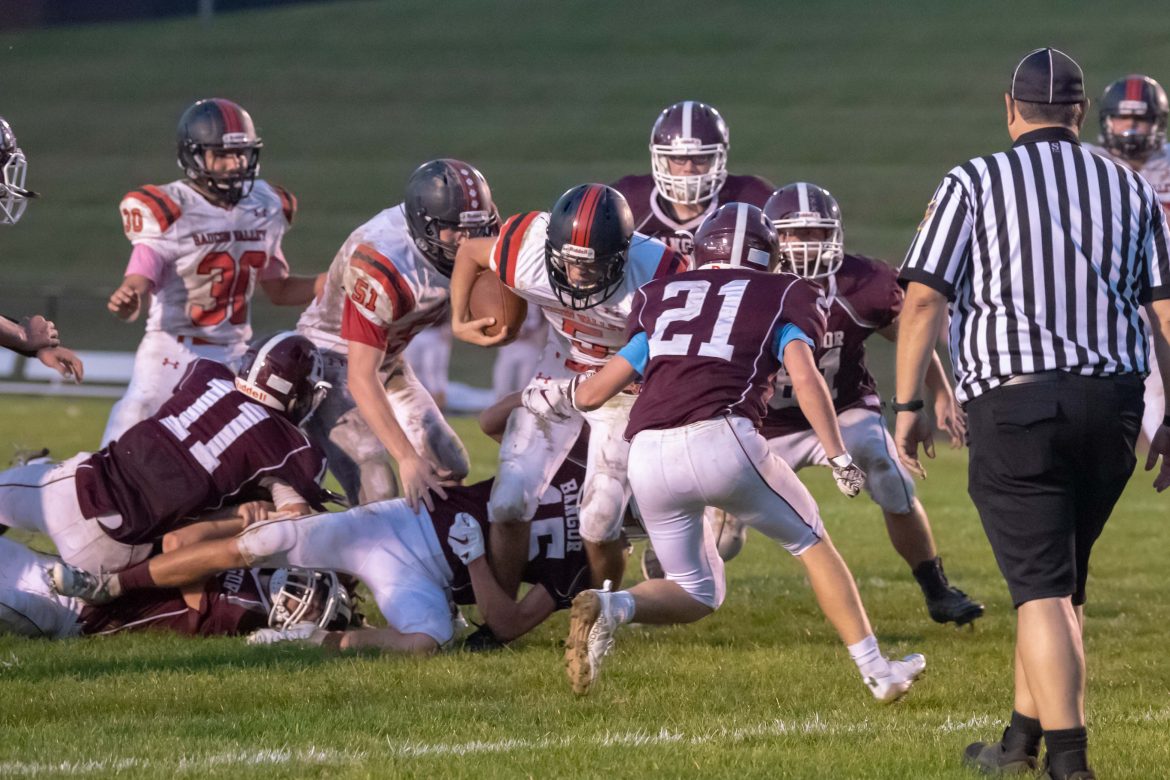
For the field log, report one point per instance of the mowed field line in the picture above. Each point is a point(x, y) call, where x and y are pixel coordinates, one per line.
point(814, 726)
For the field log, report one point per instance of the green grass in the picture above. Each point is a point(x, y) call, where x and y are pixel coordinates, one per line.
point(761, 689)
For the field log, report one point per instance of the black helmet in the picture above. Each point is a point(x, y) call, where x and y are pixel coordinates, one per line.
point(589, 229)
point(13, 166)
point(449, 194)
point(1134, 97)
point(220, 125)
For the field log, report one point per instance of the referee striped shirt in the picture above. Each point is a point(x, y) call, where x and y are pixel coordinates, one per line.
point(1046, 252)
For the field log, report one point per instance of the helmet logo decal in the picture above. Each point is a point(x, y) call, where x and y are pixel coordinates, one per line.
point(279, 383)
point(1133, 107)
point(579, 253)
point(235, 139)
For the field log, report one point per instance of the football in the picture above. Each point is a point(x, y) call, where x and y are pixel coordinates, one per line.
point(490, 297)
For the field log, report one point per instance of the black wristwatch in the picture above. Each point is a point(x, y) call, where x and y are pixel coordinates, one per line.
point(909, 406)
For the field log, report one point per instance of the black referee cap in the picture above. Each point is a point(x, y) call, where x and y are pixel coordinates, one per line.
point(1048, 76)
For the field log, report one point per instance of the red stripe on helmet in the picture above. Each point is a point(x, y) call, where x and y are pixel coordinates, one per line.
point(231, 118)
point(1133, 87)
point(583, 221)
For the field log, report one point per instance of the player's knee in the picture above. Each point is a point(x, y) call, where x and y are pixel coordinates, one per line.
point(601, 515)
point(511, 503)
point(705, 594)
point(890, 488)
point(267, 543)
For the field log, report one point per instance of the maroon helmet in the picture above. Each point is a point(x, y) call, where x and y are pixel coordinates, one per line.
point(589, 232)
point(737, 235)
point(799, 207)
point(1140, 98)
point(693, 130)
point(284, 372)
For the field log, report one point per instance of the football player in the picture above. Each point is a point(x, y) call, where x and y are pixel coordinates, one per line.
point(706, 345)
point(689, 178)
point(414, 564)
point(200, 245)
point(581, 263)
point(32, 336)
point(389, 281)
point(220, 439)
point(862, 297)
point(1133, 115)
point(232, 603)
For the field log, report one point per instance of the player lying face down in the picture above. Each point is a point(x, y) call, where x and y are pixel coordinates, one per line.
point(410, 562)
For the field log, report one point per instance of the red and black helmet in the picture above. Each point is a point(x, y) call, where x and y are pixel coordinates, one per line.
point(222, 126)
point(1134, 97)
point(589, 232)
point(804, 206)
point(284, 372)
point(13, 167)
point(689, 129)
point(737, 235)
point(450, 194)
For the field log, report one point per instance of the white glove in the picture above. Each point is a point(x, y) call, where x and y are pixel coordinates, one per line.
point(550, 400)
point(466, 538)
point(310, 633)
point(850, 478)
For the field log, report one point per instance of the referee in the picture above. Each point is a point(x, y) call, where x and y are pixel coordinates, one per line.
point(1045, 253)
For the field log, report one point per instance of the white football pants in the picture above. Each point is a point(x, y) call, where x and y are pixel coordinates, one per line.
point(385, 545)
point(28, 605)
point(723, 463)
point(159, 364)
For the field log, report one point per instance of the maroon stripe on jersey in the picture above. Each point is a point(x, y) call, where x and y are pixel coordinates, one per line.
point(507, 247)
point(231, 120)
point(583, 220)
point(288, 203)
point(1133, 88)
point(671, 263)
point(382, 270)
point(164, 209)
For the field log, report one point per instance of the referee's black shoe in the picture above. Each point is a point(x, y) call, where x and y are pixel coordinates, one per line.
point(945, 602)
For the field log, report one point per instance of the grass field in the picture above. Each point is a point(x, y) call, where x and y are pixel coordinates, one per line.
point(760, 689)
point(873, 100)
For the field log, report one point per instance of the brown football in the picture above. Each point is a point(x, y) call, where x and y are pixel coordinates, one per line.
point(490, 297)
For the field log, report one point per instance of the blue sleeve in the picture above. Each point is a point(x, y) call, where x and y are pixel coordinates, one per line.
point(637, 352)
point(787, 335)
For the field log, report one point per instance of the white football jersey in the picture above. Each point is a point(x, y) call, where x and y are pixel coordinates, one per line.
point(1156, 170)
point(592, 336)
point(212, 256)
point(386, 281)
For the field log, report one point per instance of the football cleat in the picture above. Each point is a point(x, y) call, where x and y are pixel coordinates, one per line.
point(72, 582)
point(899, 676)
point(995, 758)
point(591, 627)
point(954, 606)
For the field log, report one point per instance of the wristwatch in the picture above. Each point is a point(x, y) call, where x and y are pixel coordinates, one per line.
point(909, 406)
point(842, 461)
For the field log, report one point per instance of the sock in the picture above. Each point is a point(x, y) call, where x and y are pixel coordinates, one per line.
point(931, 578)
point(622, 604)
point(1067, 751)
point(868, 657)
point(1024, 733)
point(137, 577)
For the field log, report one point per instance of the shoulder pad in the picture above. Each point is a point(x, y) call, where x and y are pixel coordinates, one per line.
point(148, 212)
point(288, 203)
point(507, 247)
point(376, 286)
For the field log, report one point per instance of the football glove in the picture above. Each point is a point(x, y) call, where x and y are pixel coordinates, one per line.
point(466, 538)
point(309, 633)
point(849, 476)
point(550, 400)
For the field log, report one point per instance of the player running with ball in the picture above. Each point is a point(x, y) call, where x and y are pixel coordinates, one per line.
point(707, 344)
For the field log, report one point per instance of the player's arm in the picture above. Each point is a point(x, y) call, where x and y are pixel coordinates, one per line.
point(386, 639)
point(29, 335)
point(418, 476)
point(507, 618)
point(293, 290)
point(473, 256)
point(494, 419)
point(132, 296)
point(812, 395)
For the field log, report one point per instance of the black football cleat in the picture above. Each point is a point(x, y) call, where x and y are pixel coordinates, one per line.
point(995, 758)
point(954, 606)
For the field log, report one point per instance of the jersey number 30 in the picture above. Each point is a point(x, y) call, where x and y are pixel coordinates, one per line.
point(230, 280)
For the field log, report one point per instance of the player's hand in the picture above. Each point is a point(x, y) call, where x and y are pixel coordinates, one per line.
point(472, 331)
point(419, 480)
point(550, 400)
point(64, 361)
point(911, 430)
point(1160, 448)
point(39, 333)
point(849, 476)
point(255, 511)
point(466, 538)
point(310, 633)
point(125, 303)
point(951, 419)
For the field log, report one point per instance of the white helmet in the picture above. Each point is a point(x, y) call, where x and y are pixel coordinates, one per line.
point(295, 592)
point(13, 168)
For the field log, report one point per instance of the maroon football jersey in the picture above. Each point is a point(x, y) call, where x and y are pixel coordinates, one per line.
point(653, 216)
point(556, 553)
point(209, 445)
point(863, 296)
point(712, 336)
point(233, 603)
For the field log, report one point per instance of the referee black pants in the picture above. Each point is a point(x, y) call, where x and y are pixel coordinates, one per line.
point(1048, 461)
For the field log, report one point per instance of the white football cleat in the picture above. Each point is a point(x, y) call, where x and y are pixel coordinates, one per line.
point(72, 582)
point(899, 676)
point(591, 627)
